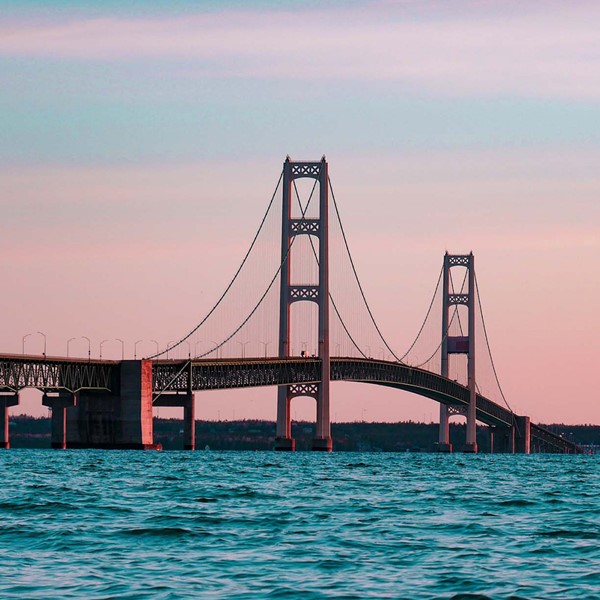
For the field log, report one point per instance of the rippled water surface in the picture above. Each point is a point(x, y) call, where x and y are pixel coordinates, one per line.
point(111, 524)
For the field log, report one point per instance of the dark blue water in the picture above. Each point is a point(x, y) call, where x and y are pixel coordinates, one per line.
point(110, 524)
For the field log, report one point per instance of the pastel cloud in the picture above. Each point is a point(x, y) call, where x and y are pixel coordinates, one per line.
point(549, 51)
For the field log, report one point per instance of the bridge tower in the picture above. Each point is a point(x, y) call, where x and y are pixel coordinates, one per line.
point(459, 345)
point(291, 292)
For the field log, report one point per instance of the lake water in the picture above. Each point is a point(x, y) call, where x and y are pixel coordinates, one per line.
point(114, 524)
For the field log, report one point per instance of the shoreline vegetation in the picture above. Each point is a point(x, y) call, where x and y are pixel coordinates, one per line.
point(406, 436)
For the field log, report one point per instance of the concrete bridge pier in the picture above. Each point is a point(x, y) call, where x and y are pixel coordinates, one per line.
point(58, 402)
point(119, 419)
point(189, 423)
point(183, 400)
point(502, 440)
point(512, 439)
point(284, 442)
point(134, 419)
point(522, 435)
point(7, 399)
point(444, 444)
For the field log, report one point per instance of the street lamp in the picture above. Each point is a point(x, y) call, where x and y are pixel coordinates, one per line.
point(85, 337)
point(196, 347)
point(68, 342)
point(43, 334)
point(189, 348)
point(216, 348)
point(135, 349)
point(265, 344)
point(122, 348)
point(369, 351)
point(382, 353)
point(23, 341)
point(156, 345)
point(169, 347)
point(102, 342)
point(243, 345)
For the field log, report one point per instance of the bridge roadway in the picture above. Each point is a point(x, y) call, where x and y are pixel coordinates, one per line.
point(172, 376)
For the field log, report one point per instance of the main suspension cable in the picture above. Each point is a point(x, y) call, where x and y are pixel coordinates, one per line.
point(488, 347)
point(283, 261)
point(335, 308)
point(212, 310)
point(356, 275)
point(447, 332)
point(437, 285)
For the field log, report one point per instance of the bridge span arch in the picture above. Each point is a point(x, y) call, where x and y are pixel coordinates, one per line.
point(171, 377)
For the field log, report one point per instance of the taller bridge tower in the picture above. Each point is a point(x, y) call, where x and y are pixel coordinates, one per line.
point(297, 291)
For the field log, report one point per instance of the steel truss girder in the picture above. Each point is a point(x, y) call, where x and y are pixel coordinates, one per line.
point(17, 373)
point(303, 377)
point(224, 374)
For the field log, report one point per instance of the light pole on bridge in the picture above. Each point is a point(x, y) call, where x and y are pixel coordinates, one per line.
point(265, 344)
point(27, 335)
point(102, 342)
point(85, 337)
point(216, 348)
point(68, 342)
point(135, 348)
point(169, 347)
point(44, 336)
point(23, 342)
point(243, 345)
point(196, 347)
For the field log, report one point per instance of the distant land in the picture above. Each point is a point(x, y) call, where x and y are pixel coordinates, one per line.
point(31, 432)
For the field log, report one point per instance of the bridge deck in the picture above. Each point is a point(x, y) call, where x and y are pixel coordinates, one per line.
point(74, 374)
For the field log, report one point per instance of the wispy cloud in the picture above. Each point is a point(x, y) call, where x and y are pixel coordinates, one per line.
point(551, 51)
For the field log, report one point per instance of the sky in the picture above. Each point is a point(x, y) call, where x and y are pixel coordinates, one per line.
point(140, 144)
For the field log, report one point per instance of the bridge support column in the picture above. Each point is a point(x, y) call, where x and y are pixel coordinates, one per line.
point(134, 418)
point(522, 429)
point(283, 433)
point(6, 401)
point(502, 440)
point(183, 400)
point(58, 402)
point(444, 444)
point(189, 423)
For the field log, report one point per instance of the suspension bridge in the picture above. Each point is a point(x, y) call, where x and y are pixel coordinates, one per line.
point(297, 289)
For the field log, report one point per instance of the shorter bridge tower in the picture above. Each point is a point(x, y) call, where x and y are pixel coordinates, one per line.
point(301, 291)
point(459, 345)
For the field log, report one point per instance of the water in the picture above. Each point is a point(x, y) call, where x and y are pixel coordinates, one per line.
point(111, 524)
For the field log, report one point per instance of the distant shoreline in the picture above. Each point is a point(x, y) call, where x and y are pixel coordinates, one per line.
point(34, 432)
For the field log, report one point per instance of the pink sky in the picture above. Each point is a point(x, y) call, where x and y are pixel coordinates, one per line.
point(138, 153)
